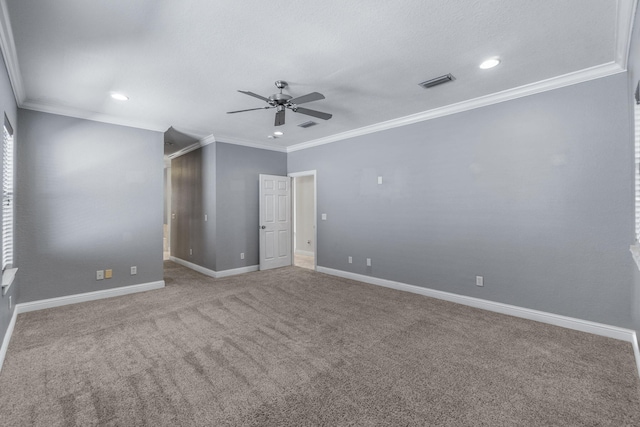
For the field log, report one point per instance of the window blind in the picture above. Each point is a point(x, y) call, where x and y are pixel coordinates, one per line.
point(7, 197)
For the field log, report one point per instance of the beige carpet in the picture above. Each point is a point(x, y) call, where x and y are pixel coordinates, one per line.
point(292, 347)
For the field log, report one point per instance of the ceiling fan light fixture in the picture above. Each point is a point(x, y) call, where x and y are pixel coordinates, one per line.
point(119, 96)
point(489, 63)
point(437, 81)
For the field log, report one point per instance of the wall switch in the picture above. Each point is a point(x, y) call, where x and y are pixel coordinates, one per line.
point(324, 217)
point(99, 274)
point(241, 255)
point(479, 281)
point(206, 217)
point(108, 274)
point(368, 262)
point(350, 260)
point(173, 215)
point(134, 270)
point(190, 251)
point(379, 180)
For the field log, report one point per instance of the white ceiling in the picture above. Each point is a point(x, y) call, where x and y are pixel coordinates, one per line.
point(182, 62)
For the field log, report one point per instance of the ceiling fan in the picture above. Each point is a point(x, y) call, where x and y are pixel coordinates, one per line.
point(281, 101)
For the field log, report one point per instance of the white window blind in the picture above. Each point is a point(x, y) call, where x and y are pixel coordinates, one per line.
point(7, 197)
point(637, 168)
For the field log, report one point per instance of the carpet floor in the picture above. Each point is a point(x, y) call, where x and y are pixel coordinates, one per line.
point(293, 347)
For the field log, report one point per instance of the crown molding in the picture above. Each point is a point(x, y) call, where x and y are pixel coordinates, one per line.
point(8, 47)
point(625, 15)
point(90, 115)
point(483, 101)
point(236, 141)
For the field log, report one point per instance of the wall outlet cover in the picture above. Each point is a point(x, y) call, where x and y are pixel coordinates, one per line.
point(99, 274)
point(134, 270)
point(479, 281)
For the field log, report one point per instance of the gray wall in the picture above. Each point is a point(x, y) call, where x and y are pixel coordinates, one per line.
point(221, 181)
point(8, 105)
point(90, 198)
point(237, 173)
point(534, 194)
point(634, 78)
point(304, 214)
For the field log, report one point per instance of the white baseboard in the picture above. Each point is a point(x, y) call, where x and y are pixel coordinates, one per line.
point(212, 273)
point(305, 253)
point(7, 337)
point(26, 307)
point(618, 333)
point(234, 271)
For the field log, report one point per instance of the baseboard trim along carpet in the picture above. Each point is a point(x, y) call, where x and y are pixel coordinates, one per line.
point(609, 331)
point(88, 296)
point(7, 337)
point(212, 273)
point(71, 299)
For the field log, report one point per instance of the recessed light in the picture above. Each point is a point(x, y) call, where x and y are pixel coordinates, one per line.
point(489, 63)
point(119, 96)
point(278, 133)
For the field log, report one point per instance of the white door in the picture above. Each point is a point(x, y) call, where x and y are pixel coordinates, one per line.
point(275, 221)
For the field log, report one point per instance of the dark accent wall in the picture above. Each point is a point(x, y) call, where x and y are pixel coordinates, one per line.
point(221, 181)
point(193, 195)
point(9, 107)
point(90, 199)
point(534, 194)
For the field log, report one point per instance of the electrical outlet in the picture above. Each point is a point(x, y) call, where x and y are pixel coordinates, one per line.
point(108, 274)
point(324, 217)
point(241, 255)
point(350, 260)
point(206, 217)
point(379, 180)
point(99, 274)
point(190, 251)
point(368, 262)
point(479, 281)
point(134, 270)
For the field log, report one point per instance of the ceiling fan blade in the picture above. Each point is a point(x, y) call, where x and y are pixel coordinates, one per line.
point(250, 109)
point(255, 95)
point(313, 96)
point(279, 118)
point(314, 113)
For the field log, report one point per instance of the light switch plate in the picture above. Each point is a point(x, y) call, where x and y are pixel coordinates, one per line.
point(324, 217)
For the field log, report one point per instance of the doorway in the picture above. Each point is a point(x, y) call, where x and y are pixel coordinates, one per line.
point(304, 219)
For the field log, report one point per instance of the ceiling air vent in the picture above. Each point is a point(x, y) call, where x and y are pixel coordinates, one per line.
point(437, 81)
point(307, 124)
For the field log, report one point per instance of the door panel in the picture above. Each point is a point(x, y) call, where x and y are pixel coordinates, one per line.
point(275, 221)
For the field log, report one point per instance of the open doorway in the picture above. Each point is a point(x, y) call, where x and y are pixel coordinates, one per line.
point(304, 219)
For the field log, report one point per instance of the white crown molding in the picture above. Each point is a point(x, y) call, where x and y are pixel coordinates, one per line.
point(483, 101)
point(625, 14)
point(235, 141)
point(212, 273)
point(595, 328)
point(8, 46)
point(96, 117)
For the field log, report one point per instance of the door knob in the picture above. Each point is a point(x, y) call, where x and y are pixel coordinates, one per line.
point(263, 227)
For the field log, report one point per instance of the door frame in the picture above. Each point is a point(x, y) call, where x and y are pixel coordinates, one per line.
point(294, 175)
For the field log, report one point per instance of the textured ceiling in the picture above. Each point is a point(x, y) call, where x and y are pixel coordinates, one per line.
point(182, 62)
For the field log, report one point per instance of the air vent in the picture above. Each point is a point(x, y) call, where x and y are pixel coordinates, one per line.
point(307, 124)
point(437, 81)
